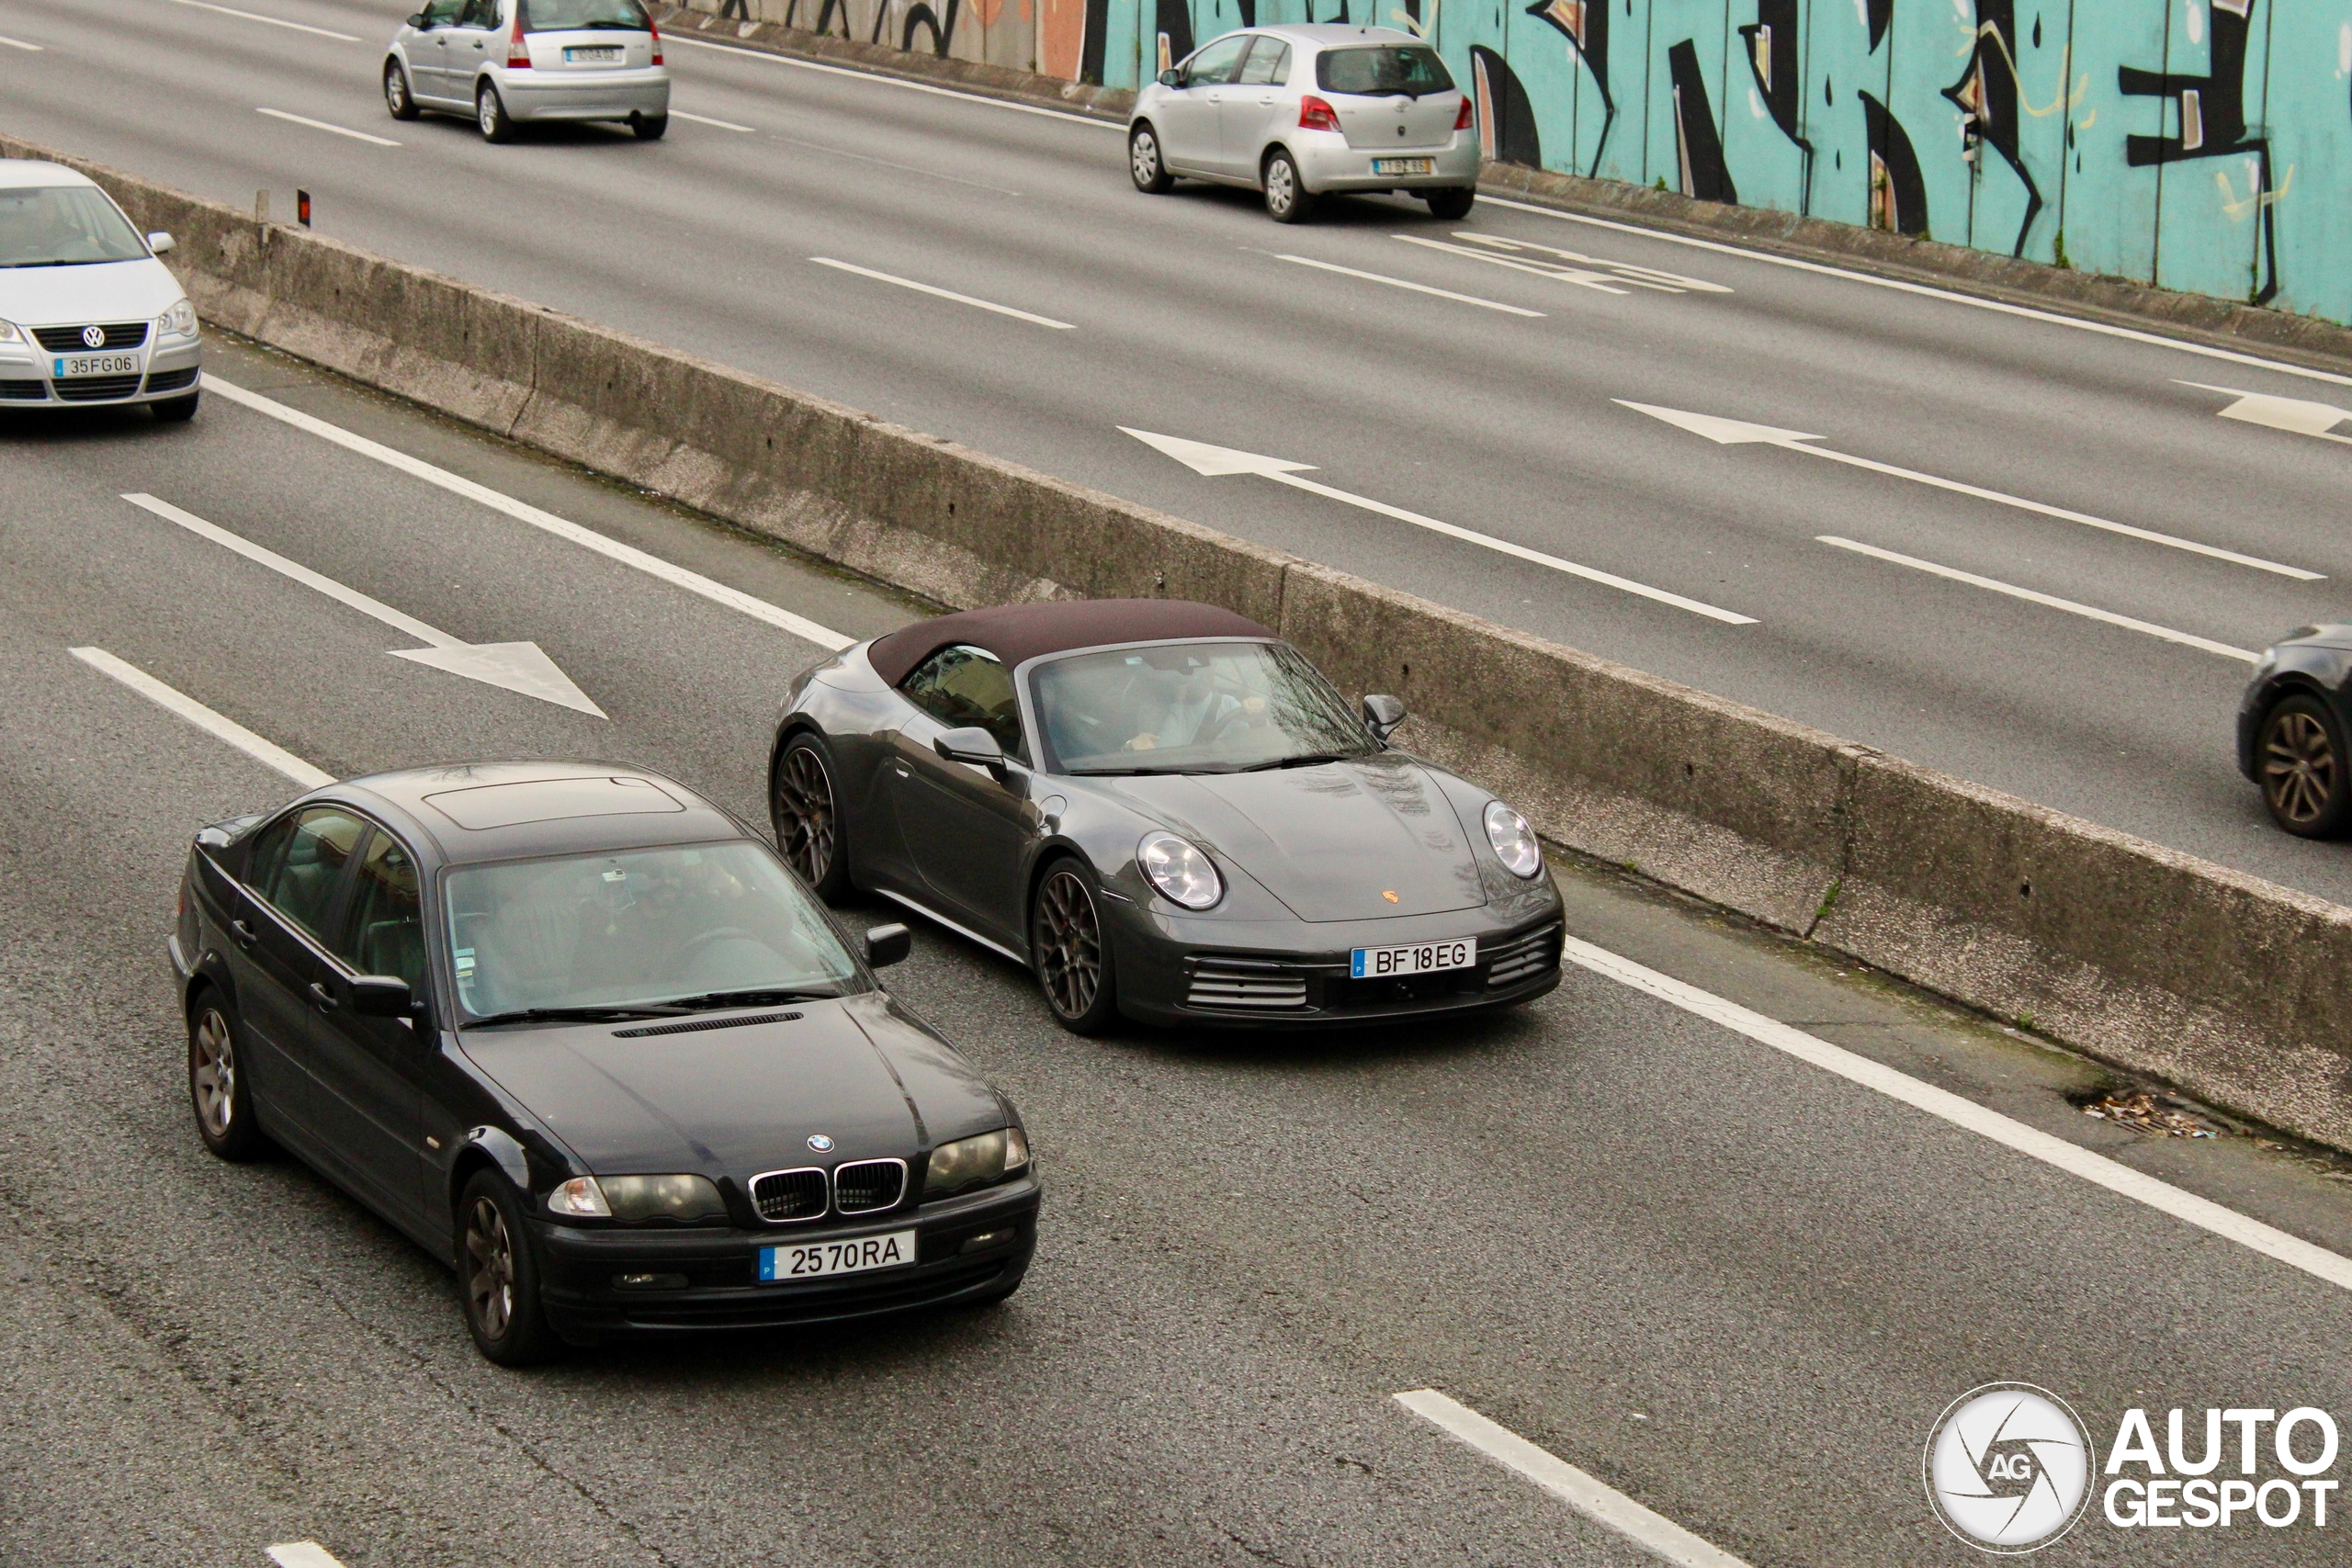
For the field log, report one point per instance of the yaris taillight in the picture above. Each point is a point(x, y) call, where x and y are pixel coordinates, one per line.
point(1462, 120)
point(1313, 114)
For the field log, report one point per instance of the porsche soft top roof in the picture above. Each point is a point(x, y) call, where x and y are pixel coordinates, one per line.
point(1018, 632)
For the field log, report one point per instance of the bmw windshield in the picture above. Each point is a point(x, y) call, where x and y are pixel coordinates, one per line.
point(64, 225)
point(1215, 707)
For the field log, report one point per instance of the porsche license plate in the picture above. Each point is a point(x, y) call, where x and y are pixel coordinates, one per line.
point(816, 1259)
point(95, 365)
point(1426, 958)
point(600, 54)
point(1404, 166)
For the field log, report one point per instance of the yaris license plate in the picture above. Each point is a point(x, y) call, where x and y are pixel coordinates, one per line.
point(1404, 166)
point(95, 365)
point(1424, 958)
point(816, 1259)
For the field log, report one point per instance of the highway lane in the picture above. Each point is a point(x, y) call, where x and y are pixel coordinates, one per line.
point(1733, 1285)
point(1187, 320)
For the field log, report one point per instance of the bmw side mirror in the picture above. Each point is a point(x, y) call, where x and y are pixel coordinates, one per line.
point(886, 945)
point(1383, 714)
point(971, 744)
point(1171, 78)
point(381, 996)
point(159, 242)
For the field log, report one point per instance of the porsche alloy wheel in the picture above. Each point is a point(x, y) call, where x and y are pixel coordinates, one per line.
point(216, 1084)
point(498, 1277)
point(1066, 946)
point(808, 824)
point(2302, 766)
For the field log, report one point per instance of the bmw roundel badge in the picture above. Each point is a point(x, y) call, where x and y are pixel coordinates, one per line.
point(818, 1142)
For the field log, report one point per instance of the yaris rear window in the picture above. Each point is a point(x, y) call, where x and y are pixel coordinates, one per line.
point(63, 226)
point(1378, 71)
point(583, 15)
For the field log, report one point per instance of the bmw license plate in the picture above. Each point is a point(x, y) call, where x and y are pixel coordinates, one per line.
point(95, 365)
point(817, 1259)
point(1404, 166)
point(1426, 958)
point(600, 54)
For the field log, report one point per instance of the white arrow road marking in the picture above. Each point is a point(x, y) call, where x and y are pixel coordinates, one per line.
point(1203, 459)
point(1654, 1532)
point(523, 511)
point(219, 726)
point(273, 21)
point(1600, 281)
point(1737, 432)
point(519, 667)
point(1671, 282)
point(305, 1553)
point(2291, 414)
point(322, 125)
point(1401, 283)
point(2090, 612)
point(945, 294)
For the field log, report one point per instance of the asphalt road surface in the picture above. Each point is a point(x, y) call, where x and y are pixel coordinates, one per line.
point(1490, 405)
point(1726, 1281)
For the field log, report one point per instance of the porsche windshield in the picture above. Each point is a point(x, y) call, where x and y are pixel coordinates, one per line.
point(63, 226)
point(1213, 707)
point(640, 928)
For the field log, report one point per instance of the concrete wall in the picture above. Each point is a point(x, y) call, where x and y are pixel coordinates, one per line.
point(2229, 986)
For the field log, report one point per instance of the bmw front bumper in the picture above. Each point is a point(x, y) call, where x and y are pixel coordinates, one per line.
point(1327, 163)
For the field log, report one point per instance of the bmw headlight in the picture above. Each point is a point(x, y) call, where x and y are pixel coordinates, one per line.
point(1513, 839)
point(178, 321)
point(1181, 870)
point(682, 1199)
point(973, 1162)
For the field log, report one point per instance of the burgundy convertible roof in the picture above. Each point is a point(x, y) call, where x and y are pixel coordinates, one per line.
point(1015, 632)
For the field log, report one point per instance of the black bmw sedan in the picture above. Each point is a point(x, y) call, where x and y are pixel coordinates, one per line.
point(574, 1029)
point(1164, 811)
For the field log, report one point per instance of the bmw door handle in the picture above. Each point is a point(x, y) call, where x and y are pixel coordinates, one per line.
point(243, 932)
point(321, 994)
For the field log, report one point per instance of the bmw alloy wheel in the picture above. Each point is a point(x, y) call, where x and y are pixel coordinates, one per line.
point(213, 1075)
point(1069, 945)
point(490, 1268)
point(2302, 768)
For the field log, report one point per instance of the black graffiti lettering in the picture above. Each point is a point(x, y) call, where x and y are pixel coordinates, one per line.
point(2212, 117)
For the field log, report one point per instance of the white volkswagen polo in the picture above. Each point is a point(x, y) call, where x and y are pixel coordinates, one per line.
point(87, 314)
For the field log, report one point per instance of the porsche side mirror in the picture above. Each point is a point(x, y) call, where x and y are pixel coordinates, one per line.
point(886, 945)
point(971, 744)
point(1171, 78)
point(159, 242)
point(381, 996)
point(1383, 714)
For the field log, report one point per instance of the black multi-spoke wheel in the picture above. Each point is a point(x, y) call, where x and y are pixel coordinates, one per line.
point(498, 1278)
point(1069, 949)
point(805, 811)
point(216, 1082)
point(2300, 754)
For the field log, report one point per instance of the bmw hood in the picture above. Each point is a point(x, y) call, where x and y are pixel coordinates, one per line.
point(1334, 843)
point(740, 1099)
point(97, 291)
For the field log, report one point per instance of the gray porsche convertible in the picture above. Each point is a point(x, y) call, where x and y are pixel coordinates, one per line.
point(1165, 812)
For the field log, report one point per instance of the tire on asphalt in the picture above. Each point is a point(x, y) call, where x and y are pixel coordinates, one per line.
point(397, 97)
point(490, 113)
point(176, 410)
point(1287, 198)
point(2305, 774)
point(1451, 203)
point(1144, 165)
point(1070, 950)
point(498, 1274)
point(804, 807)
point(219, 1090)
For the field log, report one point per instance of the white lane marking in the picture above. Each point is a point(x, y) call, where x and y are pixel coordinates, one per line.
point(1649, 276)
point(1738, 432)
point(520, 667)
point(1601, 282)
point(1654, 1532)
point(322, 125)
point(219, 726)
point(741, 53)
point(1216, 461)
point(945, 294)
point(2294, 416)
point(522, 511)
point(302, 1554)
point(1401, 283)
point(2051, 318)
point(19, 44)
point(2052, 601)
point(273, 21)
point(706, 119)
point(2098, 1169)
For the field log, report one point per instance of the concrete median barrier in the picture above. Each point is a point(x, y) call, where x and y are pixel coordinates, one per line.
point(2225, 985)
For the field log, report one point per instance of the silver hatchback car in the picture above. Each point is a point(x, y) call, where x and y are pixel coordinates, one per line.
point(1299, 112)
point(510, 62)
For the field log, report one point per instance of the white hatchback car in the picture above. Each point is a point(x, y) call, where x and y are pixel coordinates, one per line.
point(87, 315)
point(1299, 112)
point(510, 62)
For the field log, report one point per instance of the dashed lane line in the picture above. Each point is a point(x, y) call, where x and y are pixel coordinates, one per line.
point(651, 565)
point(271, 21)
point(706, 119)
point(938, 293)
point(322, 125)
point(1406, 283)
point(218, 724)
point(741, 53)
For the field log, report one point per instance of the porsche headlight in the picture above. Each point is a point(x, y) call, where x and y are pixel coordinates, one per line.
point(682, 1199)
point(970, 1162)
point(178, 321)
point(1513, 839)
point(1181, 870)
